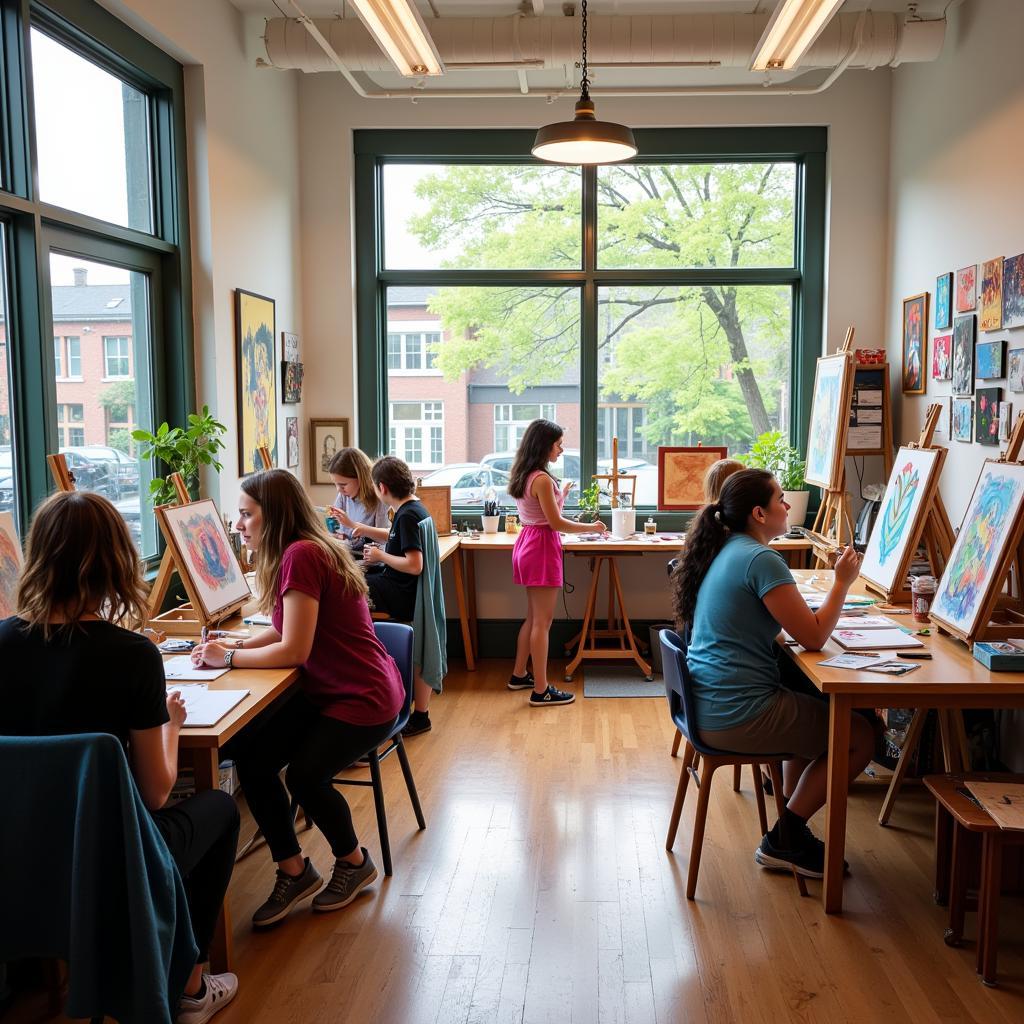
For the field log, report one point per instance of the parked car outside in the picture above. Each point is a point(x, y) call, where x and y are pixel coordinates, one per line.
point(131, 514)
point(470, 482)
point(91, 474)
point(124, 468)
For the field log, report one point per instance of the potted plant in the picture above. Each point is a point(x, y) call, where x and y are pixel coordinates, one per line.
point(590, 503)
point(773, 453)
point(492, 513)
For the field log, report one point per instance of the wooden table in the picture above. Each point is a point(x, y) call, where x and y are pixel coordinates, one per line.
point(952, 679)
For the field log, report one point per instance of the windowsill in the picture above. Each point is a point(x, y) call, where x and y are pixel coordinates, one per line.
point(107, 380)
point(415, 373)
point(70, 380)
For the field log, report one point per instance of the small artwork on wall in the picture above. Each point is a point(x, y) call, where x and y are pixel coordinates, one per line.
point(942, 357)
point(291, 382)
point(915, 343)
point(943, 301)
point(991, 318)
point(967, 289)
point(962, 417)
point(1013, 291)
point(290, 347)
point(1016, 369)
point(989, 359)
point(291, 433)
point(326, 437)
point(986, 415)
point(963, 355)
point(1005, 420)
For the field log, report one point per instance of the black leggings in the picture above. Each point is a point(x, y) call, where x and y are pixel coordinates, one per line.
point(315, 748)
point(202, 835)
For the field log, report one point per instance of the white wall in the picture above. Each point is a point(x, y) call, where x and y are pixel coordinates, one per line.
point(955, 198)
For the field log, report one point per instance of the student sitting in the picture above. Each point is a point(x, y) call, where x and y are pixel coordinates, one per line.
point(350, 690)
point(360, 512)
point(70, 667)
point(715, 477)
point(736, 592)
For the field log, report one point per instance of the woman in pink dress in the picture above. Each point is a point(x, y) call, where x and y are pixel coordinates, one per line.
point(537, 555)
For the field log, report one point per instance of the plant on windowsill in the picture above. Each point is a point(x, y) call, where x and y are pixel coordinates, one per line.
point(773, 453)
point(182, 451)
point(492, 513)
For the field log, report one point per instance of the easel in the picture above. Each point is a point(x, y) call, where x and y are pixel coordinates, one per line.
point(614, 477)
point(166, 570)
point(62, 476)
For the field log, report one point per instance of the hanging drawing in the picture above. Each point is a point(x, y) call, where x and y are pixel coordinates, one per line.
point(943, 301)
point(1005, 420)
point(1015, 373)
point(942, 357)
point(963, 355)
point(257, 388)
point(991, 318)
point(967, 289)
point(915, 343)
point(830, 406)
point(1013, 291)
point(989, 358)
point(291, 382)
point(681, 473)
point(963, 419)
point(986, 415)
point(291, 433)
point(10, 565)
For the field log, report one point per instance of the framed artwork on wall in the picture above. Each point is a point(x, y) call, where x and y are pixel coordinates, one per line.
point(963, 355)
point(990, 359)
point(681, 473)
point(942, 357)
point(962, 418)
point(256, 384)
point(1005, 420)
point(326, 437)
point(943, 301)
point(1013, 291)
point(289, 347)
point(291, 382)
point(1015, 371)
point(915, 343)
point(986, 415)
point(967, 288)
point(291, 435)
point(991, 318)
point(830, 405)
point(10, 564)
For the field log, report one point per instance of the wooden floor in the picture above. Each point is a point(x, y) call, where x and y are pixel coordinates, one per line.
point(541, 891)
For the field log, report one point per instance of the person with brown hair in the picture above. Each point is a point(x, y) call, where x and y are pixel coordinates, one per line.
point(360, 512)
point(80, 587)
point(349, 696)
point(715, 477)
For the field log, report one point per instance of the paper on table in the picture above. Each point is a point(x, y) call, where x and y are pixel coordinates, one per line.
point(848, 661)
point(865, 622)
point(1004, 802)
point(874, 639)
point(869, 663)
point(182, 670)
point(257, 620)
point(204, 707)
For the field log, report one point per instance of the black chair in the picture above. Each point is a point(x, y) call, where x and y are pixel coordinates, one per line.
point(679, 690)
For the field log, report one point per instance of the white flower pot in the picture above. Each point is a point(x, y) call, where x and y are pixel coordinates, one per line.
point(491, 523)
point(623, 522)
point(797, 501)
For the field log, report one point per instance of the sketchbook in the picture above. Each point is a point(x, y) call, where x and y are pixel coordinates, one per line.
point(204, 707)
point(874, 639)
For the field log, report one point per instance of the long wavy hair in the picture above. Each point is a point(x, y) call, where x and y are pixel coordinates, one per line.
point(532, 454)
point(80, 560)
point(288, 516)
point(741, 494)
point(356, 464)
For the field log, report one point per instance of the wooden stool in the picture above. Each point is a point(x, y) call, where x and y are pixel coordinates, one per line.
point(958, 820)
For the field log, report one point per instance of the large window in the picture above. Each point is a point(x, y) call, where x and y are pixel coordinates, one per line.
point(675, 300)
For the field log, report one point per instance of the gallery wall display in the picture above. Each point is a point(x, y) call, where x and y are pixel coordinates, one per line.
point(1005, 420)
point(681, 473)
point(963, 355)
point(986, 415)
point(830, 402)
point(10, 564)
point(326, 437)
point(991, 317)
point(942, 357)
point(966, 288)
point(291, 382)
point(1015, 371)
point(1013, 291)
point(962, 418)
point(943, 301)
point(989, 359)
point(256, 384)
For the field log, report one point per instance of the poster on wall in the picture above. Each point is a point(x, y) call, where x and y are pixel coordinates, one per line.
point(256, 379)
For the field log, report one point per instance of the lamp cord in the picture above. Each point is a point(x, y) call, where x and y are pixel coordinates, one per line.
point(584, 81)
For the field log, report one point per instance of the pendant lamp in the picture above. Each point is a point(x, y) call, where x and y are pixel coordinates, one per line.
point(584, 140)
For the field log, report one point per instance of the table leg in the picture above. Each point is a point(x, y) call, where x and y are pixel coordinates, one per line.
point(469, 564)
point(988, 905)
point(958, 886)
point(589, 613)
point(943, 853)
point(460, 600)
point(840, 709)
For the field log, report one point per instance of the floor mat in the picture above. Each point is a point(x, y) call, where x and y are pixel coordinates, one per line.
point(619, 681)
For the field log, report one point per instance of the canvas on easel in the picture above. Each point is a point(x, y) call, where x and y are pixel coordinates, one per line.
point(10, 565)
point(681, 473)
point(830, 408)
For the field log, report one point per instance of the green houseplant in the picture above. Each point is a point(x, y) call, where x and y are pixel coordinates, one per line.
point(590, 503)
point(772, 452)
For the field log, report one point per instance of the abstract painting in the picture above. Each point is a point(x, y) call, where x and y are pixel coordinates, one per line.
point(989, 359)
point(10, 565)
point(963, 419)
point(830, 402)
point(204, 552)
point(986, 415)
point(1005, 420)
point(291, 382)
point(899, 515)
point(681, 473)
point(1016, 370)
point(963, 355)
point(988, 527)
point(291, 433)
point(942, 357)
point(943, 301)
point(915, 343)
point(1013, 291)
point(967, 289)
point(991, 295)
point(257, 387)
point(326, 437)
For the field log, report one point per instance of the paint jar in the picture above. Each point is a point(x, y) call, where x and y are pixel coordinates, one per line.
point(922, 592)
point(650, 527)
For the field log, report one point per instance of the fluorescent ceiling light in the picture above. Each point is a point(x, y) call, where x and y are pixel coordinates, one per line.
point(790, 32)
point(402, 34)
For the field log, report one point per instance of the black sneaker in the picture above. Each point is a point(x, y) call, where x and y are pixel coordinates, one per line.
point(551, 697)
point(807, 858)
point(419, 721)
point(345, 883)
point(521, 682)
point(287, 892)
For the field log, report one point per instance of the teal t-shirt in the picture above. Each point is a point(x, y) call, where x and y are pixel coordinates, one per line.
point(731, 656)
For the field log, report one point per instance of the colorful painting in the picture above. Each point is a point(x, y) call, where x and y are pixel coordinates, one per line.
point(962, 416)
point(942, 357)
point(989, 359)
point(899, 518)
point(967, 289)
point(943, 302)
point(1015, 373)
point(1013, 291)
point(986, 415)
point(10, 565)
point(257, 388)
point(681, 473)
point(1005, 420)
point(991, 318)
point(830, 402)
point(203, 551)
point(915, 343)
point(291, 382)
point(325, 438)
point(289, 347)
point(988, 527)
point(963, 355)
point(291, 433)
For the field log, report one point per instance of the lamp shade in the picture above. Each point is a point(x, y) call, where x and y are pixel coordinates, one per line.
point(584, 140)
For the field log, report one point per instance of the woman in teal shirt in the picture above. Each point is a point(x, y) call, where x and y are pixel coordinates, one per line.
point(735, 593)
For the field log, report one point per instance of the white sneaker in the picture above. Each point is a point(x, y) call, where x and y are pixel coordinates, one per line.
point(220, 990)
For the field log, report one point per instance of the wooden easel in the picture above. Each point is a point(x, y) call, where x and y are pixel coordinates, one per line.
point(62, 476)
point(616, 479)
point(167, 565)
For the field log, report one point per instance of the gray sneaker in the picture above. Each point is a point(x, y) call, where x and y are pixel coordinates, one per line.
point(345, 883)
point(287, 892)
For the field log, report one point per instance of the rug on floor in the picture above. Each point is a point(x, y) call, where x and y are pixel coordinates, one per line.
point(619, 681)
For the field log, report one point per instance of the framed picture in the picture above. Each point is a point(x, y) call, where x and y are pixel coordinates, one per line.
point(991, 318)
point(986, 415)
point(325, 438)
point(215, 583)
point(1005, 420)
point(681, 473)
point(915, 343)
point(963, 355)
point(991, 528)
point(291, 440)
point(900, 518)
point(10, 564)
point(291, 382)
point(990, 359)
point(967, 288)
point(257, 390)
point(962, 417)
point(830, 407)
point(1015, 371)
point(943, 301)
point(289, 347)
point(1013, 291)
point(942, 357)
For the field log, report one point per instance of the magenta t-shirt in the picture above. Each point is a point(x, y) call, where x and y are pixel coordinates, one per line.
point(348, 674)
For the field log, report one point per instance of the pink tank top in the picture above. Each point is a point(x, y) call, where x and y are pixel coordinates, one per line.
point(530, 512)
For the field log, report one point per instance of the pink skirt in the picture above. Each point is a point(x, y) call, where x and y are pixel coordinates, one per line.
point(537, 557)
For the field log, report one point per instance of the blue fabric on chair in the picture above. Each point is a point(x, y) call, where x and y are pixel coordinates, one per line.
point(88, 878)
point(430, 650)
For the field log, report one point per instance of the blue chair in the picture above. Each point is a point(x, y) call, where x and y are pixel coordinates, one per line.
point(679, 690)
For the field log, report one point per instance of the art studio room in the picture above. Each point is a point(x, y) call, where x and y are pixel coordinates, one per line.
point(522, 516)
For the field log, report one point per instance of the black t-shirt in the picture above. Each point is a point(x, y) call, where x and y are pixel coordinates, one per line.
point(390, 590)
point(96, 677)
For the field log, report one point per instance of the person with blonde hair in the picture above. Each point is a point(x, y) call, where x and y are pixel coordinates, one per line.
point(360, 511)
point(349, 696)
point(716, 476)
point(71, 666)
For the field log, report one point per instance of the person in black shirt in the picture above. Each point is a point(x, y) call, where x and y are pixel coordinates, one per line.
point(70, 667)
